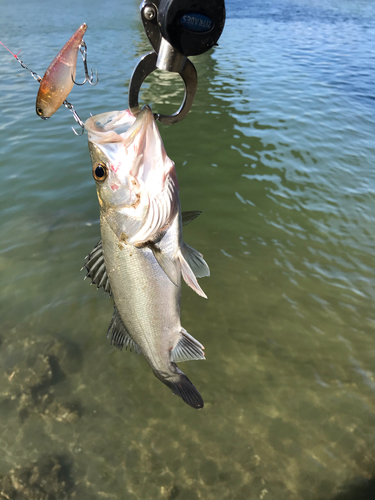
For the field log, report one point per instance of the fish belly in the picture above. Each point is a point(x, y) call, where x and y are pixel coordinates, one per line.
point(147, 301)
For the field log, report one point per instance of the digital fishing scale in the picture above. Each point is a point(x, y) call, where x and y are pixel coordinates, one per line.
point(176, 30)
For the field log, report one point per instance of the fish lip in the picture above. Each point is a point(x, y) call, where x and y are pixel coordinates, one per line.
point(118, 126)
point(109, 127)
point(146, 109)
point(138, 135)
point(142, 120)
point(139, 132)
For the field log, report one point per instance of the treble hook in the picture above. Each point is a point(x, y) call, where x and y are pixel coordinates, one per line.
point(51, 88)
point(75, 116)
point(88, 78)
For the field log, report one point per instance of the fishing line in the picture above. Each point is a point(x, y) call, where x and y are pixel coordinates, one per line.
point(39, 79)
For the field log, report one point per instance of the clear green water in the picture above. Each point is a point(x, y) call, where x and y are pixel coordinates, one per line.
point(278, 152)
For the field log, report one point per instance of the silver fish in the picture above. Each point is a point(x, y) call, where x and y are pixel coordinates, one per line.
point(142, 255)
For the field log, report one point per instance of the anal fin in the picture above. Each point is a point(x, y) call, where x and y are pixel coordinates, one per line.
point(187, 348)
point(119, 335)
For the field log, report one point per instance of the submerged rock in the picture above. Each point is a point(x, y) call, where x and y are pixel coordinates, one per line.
point(33, 373)
point(48, 479)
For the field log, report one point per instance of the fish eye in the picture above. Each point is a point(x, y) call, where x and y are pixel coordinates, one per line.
point(100, 171)
point(39, 111)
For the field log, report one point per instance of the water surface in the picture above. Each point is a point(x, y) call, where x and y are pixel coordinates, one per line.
point(278, 152)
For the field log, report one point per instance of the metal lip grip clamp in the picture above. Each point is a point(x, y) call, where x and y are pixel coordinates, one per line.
point(176, 29)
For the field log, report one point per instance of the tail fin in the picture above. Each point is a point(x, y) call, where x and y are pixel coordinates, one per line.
point(181, 386)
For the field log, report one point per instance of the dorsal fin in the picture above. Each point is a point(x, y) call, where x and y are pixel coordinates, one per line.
point(96, 269)
point(119, 335)
point(187, 348)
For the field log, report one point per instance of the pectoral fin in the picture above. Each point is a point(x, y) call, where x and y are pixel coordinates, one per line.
point(96, 269)
point(169, 266)
point(119, 335)
point(187, 348)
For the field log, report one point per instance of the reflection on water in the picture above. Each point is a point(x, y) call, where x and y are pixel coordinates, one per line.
point(278, 153)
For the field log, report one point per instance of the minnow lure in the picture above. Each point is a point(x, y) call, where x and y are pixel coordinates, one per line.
point(58, 80)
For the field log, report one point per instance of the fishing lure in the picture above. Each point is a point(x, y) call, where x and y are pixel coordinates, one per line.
point(58, 80)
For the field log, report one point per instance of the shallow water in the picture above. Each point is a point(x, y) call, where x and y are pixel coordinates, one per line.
point(278, 152)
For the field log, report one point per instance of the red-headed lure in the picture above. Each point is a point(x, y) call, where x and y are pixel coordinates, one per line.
point(58, 80)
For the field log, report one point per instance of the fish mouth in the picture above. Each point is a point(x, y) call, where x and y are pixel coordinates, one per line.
point(139, 169)
point(150, 163)
point(109, 127)
point(132, 145)
point(140, 137)
point(118, 126)
point(143, 119)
